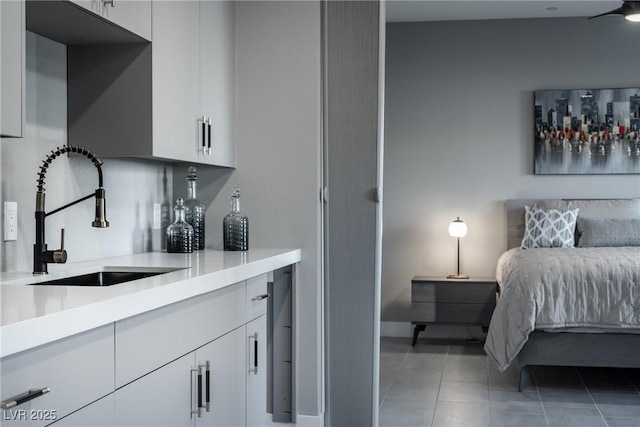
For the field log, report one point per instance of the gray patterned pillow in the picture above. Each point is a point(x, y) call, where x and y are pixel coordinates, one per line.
point(553, 228)
point(608, 232)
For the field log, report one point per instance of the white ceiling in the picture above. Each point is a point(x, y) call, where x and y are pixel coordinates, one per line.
point(453, 10)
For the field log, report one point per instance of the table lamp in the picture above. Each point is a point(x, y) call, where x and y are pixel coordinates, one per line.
point(458, 229)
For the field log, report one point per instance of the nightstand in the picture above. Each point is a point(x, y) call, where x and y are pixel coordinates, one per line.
point(438, 300)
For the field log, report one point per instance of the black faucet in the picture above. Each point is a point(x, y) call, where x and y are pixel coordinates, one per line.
point(41, 256)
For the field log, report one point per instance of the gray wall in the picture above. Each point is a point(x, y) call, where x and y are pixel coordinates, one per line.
point(279, 152)
point(458, 140)
point(131, 186)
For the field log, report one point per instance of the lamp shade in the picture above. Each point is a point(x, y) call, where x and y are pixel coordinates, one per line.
point(635, 17)
point(631, 11)
point(457, 228)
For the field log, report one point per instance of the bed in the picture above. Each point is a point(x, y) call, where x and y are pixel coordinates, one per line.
point(577, 305)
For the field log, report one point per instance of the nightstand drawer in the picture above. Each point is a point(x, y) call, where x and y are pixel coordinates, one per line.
point(431, 312)
point(454, 292)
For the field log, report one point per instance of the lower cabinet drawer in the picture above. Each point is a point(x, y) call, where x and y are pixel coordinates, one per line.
point(151, 340)
point(470, 293)
point(75, 370)
point(431, 312)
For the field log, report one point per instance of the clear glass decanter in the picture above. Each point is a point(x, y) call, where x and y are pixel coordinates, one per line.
point(236, 226)
point(180, 233)
point(194, 210)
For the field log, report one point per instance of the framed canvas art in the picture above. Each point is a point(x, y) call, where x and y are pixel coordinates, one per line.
point(587, 131)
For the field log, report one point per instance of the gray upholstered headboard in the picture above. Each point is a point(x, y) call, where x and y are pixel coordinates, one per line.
point(599, 208)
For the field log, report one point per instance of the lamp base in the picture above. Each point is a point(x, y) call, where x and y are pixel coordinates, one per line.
point(458, 276)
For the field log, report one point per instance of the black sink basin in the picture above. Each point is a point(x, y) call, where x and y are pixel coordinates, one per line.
point(103, 278)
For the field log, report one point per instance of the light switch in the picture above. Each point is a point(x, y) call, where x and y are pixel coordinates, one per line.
point(10, 221)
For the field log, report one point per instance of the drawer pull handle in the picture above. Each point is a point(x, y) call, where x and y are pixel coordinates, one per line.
point(260, 297)
point(207, 380)
point(254, 337)
point(209, 136)
point(23, 398)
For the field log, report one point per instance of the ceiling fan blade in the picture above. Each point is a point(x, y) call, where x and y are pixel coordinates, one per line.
point(617, 11)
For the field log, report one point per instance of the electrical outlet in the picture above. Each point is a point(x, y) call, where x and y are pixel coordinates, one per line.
point(10, 221)
point(157, 222)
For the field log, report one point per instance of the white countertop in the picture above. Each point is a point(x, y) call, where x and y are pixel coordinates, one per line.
point(34, 315)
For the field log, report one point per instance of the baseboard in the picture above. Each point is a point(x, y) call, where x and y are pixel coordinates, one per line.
point(310, 420)
point(396, 329)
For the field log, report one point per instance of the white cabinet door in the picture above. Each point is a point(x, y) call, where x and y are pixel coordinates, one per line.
point(257, 372)
point(175, 76)
point(161, 398)
point(100, 413)
point(226, 357)
point(12, 52)
point(218, 78)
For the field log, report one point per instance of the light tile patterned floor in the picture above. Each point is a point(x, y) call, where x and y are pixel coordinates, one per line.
point(453, 384)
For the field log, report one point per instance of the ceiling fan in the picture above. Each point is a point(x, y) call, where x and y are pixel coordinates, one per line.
point(629, 9)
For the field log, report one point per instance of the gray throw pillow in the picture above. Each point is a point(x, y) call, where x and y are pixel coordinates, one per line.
point(553, 228)
point(608, 232)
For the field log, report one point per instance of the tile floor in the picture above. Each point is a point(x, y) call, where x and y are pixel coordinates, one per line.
point(451, 384)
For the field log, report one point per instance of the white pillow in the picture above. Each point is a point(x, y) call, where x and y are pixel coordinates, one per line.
point(553, 228)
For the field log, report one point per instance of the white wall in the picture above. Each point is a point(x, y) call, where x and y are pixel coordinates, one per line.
point(131, 186)
point(459, 134)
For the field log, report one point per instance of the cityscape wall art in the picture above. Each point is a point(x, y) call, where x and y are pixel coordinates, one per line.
point(587, 131)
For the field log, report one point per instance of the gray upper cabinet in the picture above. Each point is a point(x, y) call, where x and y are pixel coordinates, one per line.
point(12, 54)
point(194, 81)
point(175, 77)
point(172, 100)
point(218, 77)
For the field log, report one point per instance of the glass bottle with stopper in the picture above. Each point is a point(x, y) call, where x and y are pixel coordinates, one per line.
point(194, 210)
point(236, 226)
point(180, 233)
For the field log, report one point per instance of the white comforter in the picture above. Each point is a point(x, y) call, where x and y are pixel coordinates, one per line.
point(559, 288)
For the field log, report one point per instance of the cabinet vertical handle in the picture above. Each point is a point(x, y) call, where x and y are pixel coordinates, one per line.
point(198, 410)
point(207, 400)
point(204, 136)
point(23, 398)
point(254, 337)
point(199, 388)
point(111, 3)
point(209, 136)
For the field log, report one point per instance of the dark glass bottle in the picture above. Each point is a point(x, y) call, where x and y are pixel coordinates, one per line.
point(235, 226)
point(180, 233)
point(194, 210)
